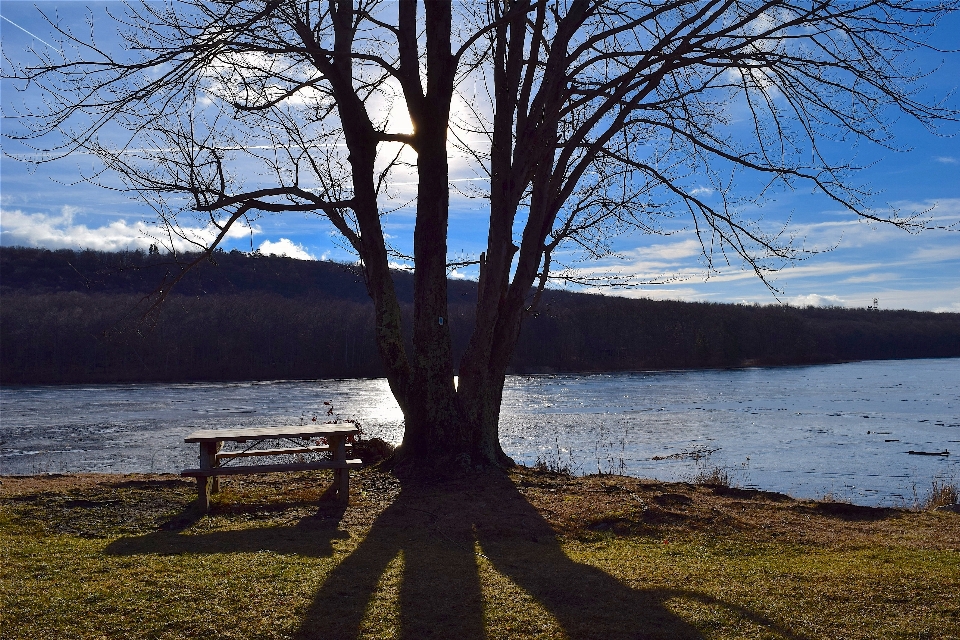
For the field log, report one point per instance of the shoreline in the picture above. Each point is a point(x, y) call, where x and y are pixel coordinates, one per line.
point(749, 364)
point(925, 503)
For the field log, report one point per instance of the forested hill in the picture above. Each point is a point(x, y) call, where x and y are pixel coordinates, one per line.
point(40, 271)
point(69, 317)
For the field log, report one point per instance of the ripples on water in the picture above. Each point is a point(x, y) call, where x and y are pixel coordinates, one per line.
point(809, 431)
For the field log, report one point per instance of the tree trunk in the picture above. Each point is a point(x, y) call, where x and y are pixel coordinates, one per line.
point(444, 424)
point(437, 430)
point(452, 427)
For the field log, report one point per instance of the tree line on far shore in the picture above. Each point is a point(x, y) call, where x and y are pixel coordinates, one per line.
point(82, 317)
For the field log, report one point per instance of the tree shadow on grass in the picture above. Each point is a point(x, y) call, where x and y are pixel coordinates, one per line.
point(311, 537)
point(438, 531)
point(850, 512)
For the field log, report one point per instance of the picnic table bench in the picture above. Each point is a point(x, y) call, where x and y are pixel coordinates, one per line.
point(215, 463)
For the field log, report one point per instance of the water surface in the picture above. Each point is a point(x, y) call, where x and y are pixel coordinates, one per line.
point(841, 429)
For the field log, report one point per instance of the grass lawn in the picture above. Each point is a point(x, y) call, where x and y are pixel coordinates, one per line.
point(535, 555)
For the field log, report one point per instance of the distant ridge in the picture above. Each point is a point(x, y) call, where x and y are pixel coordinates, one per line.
point(44, 271)
point(78, 317)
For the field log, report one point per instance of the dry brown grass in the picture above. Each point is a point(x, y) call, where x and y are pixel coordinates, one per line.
point(630, 506)
point(942, 494)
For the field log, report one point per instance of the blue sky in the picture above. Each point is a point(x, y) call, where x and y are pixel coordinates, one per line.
point(50, 206)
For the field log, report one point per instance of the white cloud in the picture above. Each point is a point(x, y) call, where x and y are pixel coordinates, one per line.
point(950, 308)
point(811, 269)
point(668, 251)
point(938, 210)
point(947, 160)
point(285, 247)
point(60, 232)
point(936, 254)
point(817, 300)
point(855, 232)
point(702, 191)
point(873, 277)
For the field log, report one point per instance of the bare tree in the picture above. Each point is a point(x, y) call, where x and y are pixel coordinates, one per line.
point(594, 117)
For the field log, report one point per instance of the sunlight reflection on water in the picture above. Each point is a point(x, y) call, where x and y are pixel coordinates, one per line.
point(808, 431)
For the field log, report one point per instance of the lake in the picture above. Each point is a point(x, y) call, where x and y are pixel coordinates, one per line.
point(842, 430)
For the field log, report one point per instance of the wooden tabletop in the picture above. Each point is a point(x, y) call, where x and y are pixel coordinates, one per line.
point(262, 433)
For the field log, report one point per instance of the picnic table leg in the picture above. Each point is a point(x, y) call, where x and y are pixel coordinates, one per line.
point(208, 460)
point(215, 485)
point(203, 493)
point(341, 477)
point(343, 485)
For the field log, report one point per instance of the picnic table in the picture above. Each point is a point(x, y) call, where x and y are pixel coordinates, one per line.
point(305, 439)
